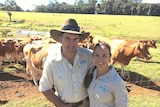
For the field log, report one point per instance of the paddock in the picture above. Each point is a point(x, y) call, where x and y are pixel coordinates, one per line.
point(17, 85)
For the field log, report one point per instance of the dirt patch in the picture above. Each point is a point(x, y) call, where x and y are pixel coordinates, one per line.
point(18, 85)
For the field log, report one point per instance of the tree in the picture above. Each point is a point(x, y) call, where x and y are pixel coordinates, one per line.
point(10, 5)
point(10, 16)
point(98, 8)
point(118, 8)
point(126, 9)
point(133, 7)
point(124, 1)
point(139, 9)
point(136, 1)
point(79, 3)
point(92, 4)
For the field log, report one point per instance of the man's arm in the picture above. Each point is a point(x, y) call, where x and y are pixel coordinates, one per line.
point(50, 95)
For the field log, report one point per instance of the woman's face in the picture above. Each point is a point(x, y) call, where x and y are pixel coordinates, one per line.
point(101, 57)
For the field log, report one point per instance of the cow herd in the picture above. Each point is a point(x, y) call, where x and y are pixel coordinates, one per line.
point(34, 51)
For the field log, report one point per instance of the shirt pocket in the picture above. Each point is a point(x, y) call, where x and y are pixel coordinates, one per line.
point(103, 93)
point(62, 79)
point(82, 70)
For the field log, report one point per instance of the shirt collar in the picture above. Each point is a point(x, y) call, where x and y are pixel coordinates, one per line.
point(59, 55)
point(111, 74)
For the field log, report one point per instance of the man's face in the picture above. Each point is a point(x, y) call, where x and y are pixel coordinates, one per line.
point(69, 42)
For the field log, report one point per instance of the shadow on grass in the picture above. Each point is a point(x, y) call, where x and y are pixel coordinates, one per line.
point(3, 102)
point(148, 61)
point(141, 80)
point(4, 76)
point(14, 77)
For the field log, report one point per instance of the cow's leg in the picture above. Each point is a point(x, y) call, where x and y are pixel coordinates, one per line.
point(1, 58)
point(127, 75)
point(34, 80)
point(137, 58)
point(27, 66)
point(122, 72)
point(32, 70)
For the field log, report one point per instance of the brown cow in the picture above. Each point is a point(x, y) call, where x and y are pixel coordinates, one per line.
point(6, 47)
point(87, 43)
point(125, 50)
point(34, 56)
point(151, 44)
point(18, 55)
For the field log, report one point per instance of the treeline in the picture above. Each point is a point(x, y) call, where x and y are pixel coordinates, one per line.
point(114, 7)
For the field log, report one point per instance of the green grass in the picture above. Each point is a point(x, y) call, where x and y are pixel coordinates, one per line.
point(150, 69)
point(13, 68)
point(34, 102)
point(144, 101)
point(128, 27)
point(135, 27)
point(135, 101)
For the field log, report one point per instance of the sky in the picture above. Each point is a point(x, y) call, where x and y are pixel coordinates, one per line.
point(29, 4)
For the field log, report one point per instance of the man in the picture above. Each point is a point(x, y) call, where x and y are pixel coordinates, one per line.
point(66, 67)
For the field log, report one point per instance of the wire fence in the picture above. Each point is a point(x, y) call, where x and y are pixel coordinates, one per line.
point(18, 85)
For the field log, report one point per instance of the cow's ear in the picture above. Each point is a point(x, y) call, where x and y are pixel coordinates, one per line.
point(140, 44)
point(35, 50)
point(3, 43)
point(154, 41)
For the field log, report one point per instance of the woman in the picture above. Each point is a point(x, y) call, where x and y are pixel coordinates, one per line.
point(107, 88)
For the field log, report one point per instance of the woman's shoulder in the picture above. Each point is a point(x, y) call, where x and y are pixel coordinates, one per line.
point(114, 76)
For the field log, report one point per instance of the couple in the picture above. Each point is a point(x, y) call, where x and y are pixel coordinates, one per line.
point(78, 73)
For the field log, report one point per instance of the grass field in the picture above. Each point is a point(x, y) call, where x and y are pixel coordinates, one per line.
point(143, 27)
point(128, 27)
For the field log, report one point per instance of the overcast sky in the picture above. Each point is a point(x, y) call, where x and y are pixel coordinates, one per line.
point(29, 4)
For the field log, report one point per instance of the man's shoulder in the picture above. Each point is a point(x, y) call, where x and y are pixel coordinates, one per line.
point(84, 50)
point(55, 48)
point(53, 52)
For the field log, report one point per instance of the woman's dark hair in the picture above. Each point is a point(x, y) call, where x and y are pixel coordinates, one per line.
point(89, 76)
point(102, 44)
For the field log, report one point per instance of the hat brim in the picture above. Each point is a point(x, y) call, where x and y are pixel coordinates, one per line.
point(55, 34)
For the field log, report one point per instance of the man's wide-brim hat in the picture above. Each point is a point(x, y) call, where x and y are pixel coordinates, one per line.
point(70, 26)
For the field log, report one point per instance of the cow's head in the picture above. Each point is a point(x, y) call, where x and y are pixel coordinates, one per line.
point(142, 50)
point(152, 43)
point(9, 46)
